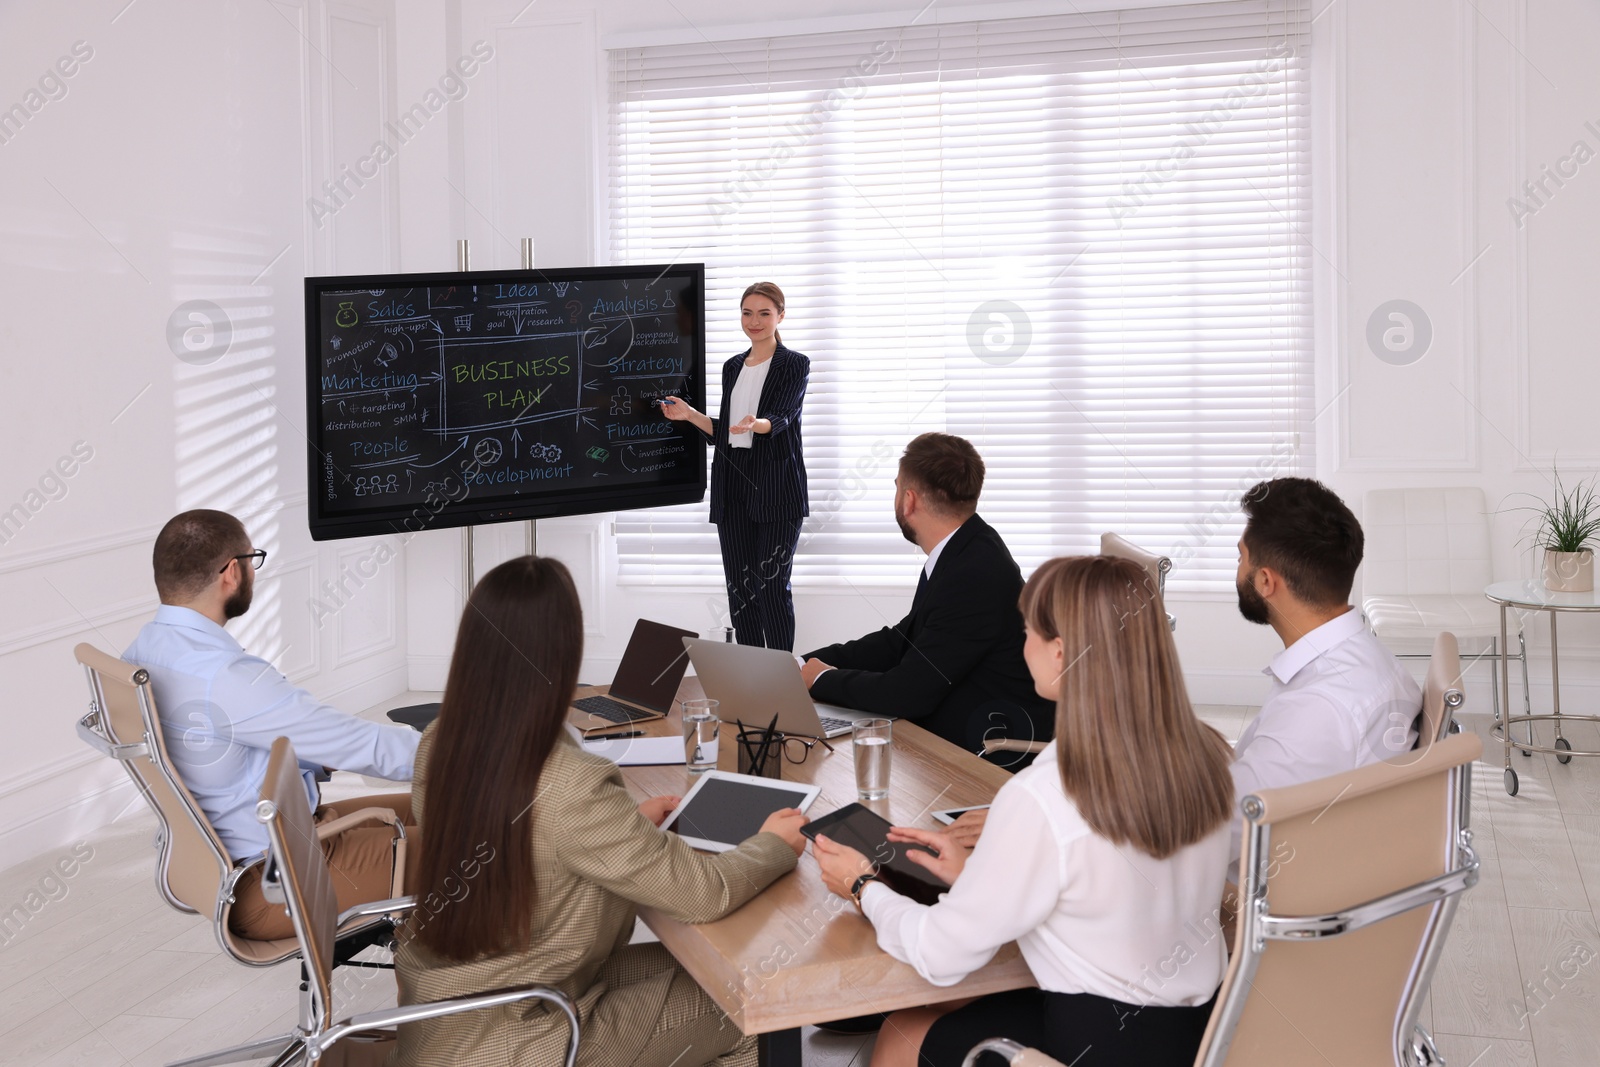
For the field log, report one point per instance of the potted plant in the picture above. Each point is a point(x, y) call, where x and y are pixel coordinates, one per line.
point(1568, 527)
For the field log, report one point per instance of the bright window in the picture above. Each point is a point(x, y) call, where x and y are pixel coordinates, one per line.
point(1079, 242)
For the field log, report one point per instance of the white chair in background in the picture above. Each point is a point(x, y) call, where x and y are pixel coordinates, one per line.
point(1427, 564)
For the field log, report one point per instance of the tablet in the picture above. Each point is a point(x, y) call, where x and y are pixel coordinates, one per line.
point(868, 833)
point(950, 815)
point(723, 808)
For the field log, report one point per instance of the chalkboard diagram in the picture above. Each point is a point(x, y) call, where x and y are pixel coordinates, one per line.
point(503, 388)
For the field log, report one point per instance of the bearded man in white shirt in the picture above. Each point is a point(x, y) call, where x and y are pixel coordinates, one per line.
point(221, 709)
point(1339, 699)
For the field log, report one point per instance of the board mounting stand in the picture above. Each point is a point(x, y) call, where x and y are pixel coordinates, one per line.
point(469, 576)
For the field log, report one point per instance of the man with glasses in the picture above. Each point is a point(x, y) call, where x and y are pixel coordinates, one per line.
point(221, 709)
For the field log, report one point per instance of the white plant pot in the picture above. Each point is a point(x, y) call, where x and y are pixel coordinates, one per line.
point(1569, 572)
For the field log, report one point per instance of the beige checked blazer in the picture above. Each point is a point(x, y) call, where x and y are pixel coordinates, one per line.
point(595, 858)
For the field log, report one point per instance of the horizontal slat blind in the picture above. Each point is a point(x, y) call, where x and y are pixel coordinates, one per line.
point(1078, 241)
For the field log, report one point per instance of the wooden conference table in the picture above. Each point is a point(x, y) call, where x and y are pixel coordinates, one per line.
point(797, 954)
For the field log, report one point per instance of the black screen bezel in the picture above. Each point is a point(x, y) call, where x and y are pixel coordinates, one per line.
point(478, 511)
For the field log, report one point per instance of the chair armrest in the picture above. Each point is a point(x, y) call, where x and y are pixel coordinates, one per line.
point(1335, 924)
point(328, 829)
point(385, 1018)
point(89, 732)
point(1012, 744)
point(392, 906)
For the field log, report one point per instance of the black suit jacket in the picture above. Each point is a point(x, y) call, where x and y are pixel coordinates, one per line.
point(955, 659)
point(769, 478)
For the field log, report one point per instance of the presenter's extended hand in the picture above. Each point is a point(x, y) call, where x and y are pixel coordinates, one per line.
point(745, 425)
point(786, 823)
point(965, 830)
point(656, 809)
point(945, 866)
point(841, 865)
point(674, 409)
point(811, 668)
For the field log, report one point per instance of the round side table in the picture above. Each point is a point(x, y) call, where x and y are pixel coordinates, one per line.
point(1531, 595)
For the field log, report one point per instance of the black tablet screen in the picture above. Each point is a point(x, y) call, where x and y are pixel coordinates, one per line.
point(729, 812)
point(868, 833)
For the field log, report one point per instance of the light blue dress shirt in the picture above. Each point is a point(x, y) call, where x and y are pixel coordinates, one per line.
point(221, 708)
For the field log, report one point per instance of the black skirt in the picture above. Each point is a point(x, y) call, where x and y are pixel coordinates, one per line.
point(1079, 1029)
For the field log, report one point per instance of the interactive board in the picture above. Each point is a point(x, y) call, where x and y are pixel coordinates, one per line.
point(440, 400)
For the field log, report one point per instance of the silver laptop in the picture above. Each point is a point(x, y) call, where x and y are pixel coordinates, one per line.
point(752, 684)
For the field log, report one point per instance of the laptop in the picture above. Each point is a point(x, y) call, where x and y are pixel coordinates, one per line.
point(646, 682)
point(751, 683)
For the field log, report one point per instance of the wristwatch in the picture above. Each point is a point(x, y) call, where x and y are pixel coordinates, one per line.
point(858, 885)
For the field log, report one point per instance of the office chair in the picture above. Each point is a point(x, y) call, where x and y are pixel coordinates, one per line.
point(1159, 566)
point(303, 881)
point(1427, 564)
point(194, 872)
point(1441, 698)
point(1110, 545)
point(1351, 883)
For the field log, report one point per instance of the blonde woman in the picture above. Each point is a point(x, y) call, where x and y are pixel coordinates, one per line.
point(1101, 860)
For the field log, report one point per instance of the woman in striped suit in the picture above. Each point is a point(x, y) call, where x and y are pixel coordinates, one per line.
point(758, 480)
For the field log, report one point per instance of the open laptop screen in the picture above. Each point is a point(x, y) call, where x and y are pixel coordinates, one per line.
point(653, 665)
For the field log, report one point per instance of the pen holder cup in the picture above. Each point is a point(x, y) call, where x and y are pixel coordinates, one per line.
point(750, 747)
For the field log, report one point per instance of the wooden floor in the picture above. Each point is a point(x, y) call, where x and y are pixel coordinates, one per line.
point(106, 974)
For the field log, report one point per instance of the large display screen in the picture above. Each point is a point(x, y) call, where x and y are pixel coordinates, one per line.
point(440, 400)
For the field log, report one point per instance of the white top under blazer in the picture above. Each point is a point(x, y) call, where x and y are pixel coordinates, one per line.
point(1089, 916)
point(745, 399)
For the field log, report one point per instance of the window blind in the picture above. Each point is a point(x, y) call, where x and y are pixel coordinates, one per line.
point(1078, 241)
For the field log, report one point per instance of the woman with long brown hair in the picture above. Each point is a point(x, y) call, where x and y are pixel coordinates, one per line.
point(534, 858)
point(1101, 860)
point(758, 480)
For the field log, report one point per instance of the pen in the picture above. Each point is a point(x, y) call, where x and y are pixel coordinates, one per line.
point(614, 737)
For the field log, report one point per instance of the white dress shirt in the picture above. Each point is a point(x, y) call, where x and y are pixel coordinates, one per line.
point(1089, 916)
point(1339, 700)
point(745, 398)
point(933, 557)
point(221, 708)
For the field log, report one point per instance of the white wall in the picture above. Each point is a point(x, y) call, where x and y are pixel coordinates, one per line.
point(175, 167)
point(179, 163)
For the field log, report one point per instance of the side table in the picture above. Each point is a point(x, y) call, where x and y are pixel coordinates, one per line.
point(1531, 595)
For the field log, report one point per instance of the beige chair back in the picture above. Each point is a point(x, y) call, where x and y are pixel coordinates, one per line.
point(1348, 883)
point(193, 862)
point(302, 871)
point(194, 872)
point(1156, 566)
point(1441, 692)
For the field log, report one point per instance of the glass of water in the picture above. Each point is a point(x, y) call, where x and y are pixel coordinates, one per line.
point(870, 742)
point(700, 730)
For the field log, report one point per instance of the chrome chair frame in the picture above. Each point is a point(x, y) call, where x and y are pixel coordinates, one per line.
point(317, 1032)
point(1258, 925)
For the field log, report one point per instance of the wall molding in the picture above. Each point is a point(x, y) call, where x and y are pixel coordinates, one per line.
point(64, 765)
point(53, 631)
point(77, 549)
point(34, 832)
point(1527, 459)
point(342, 656)
point(1466, 309)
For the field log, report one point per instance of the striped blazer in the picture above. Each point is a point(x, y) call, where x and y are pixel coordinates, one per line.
point(770, 477)
point(595, 858)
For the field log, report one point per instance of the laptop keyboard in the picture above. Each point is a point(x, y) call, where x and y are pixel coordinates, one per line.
point(602, 707)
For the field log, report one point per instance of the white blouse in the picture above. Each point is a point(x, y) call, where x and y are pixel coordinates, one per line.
point(743, 399)
point(1089, 916)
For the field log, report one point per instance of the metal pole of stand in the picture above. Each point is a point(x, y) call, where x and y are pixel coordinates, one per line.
point(468, 576)
point(533, 524)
